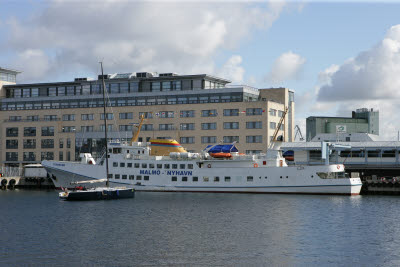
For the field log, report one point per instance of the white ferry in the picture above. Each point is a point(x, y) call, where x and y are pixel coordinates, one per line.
point(163, 165)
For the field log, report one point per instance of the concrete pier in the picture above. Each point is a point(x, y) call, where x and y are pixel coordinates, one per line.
point(25, 182)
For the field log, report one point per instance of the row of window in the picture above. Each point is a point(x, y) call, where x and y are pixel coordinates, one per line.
point(31, 143)
point(31, 156)
point(96, 88)
point(207, 179)
point(125, 101)
point(49, 130)
point(125, 176)
point(166, 166)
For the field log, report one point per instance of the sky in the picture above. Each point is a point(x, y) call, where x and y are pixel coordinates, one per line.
point(337, 56)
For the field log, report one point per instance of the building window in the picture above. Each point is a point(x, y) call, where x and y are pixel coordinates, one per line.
point(69, 117)
point(125, 128)
point(187, 140)
point(208, 139)
point(50, 117)
point(231, 112)
point(146, 115)
point(272, 112)
point(47, 155)
point(187, 113)
point(60, 156)
point(231, 139)
point(254, 111)
point(231, 125)
point(147, 127)
point(12, 132)
point(47, 143)
point(12, 144)
point(126, 116)
point(11, 156)
point(109, 116)
point(29, 143)
point(209, 126)
point(166, 127)
point(87, 129)
point(280, 113)
point(165, 114)
point(33, 118)
point(254, 125)
point(87, 117)
point(29, 156)
point(272, 125)
point(68, 142)
point(254, 139)
point(48, 131)
point(209, 113)
point(155, 86)
point(187, 126)
point(110, 127)
point(15, 118)
point(68, 129)
point(29, 131)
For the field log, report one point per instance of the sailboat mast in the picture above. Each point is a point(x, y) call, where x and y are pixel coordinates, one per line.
point(105, 121)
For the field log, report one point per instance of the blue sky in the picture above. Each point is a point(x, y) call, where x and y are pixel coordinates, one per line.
point(353, 46)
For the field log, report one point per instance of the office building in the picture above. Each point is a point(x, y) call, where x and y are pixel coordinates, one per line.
point(362, 121)
point(60, 120)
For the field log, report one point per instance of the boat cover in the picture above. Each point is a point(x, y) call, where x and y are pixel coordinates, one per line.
point(222, 148)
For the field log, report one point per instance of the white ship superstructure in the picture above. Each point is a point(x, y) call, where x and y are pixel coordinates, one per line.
point(134, 165)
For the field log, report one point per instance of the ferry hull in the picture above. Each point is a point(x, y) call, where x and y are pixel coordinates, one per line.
point(298, 181)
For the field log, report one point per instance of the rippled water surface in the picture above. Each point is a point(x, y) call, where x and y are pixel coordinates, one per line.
point(36, 228)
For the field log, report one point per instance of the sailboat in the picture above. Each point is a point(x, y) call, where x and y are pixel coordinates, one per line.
point(98, 193)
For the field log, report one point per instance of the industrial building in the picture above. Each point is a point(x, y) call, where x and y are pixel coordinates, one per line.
point(362, 121)
point(60, 120)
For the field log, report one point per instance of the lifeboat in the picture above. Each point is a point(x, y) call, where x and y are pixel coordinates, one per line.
point(221, 155)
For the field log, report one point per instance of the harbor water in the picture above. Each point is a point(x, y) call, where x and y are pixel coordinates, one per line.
point(199, 229)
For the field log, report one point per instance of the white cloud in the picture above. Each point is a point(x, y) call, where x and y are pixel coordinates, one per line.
point(287, 66)
point(137, 36)
point(372, 74)
point(232, 70)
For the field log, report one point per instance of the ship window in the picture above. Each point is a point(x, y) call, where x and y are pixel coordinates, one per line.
point(174, 179)
point(166, 166)
point(287, 176)
point(159, 166)
point(205, 179)
point(264, 162)
point(250, 178)
point(151, 165)
point(115, 164)
point(117, 176)
point(216, 179)
point(146, 178)
point(110, 175)
point(122, 164)
point(195, 179)
point(184, 179)
point(138, 177)
point(266, 177)
point(182, 166)
point(129, 165)
point(190, 166)
point(227, 178)
point(144, 165)
point(124, 176)
point(137, 165)
point(174, 166)
point(131, 177)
